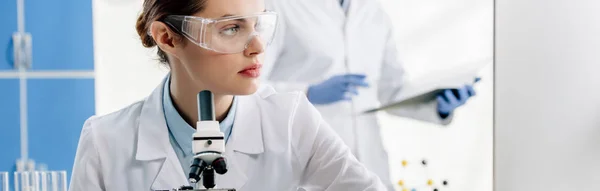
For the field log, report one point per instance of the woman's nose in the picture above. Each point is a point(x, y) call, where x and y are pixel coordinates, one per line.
point(255, 46)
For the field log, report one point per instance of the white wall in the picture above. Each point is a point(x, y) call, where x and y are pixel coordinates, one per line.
point(547, 123)
point(125, 70)
point(433, 35)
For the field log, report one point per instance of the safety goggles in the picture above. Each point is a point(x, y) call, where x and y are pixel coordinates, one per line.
point(227, 35)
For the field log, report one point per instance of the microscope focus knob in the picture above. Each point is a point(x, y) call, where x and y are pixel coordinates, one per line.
point(220, 165)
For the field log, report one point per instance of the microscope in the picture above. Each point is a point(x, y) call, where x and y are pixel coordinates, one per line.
point(208, 146)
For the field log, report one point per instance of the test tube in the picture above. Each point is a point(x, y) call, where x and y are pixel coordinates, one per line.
point(24, 181)
point(4, 181)
point(51, 181)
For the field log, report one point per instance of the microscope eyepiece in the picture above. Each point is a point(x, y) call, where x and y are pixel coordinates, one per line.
point(206, 104)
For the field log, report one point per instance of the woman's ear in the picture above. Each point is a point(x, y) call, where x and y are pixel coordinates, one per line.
point(165, 38)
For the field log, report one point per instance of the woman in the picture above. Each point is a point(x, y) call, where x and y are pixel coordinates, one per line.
point(275, 141)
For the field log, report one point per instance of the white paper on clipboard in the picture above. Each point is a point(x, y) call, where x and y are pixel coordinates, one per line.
point(427, 87)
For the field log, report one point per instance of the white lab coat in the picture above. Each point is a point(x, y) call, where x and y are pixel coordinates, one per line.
point(279, 142)
point(316, 40)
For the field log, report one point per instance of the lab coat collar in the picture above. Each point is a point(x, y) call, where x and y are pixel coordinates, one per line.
point(153, 136)
point(153, 148)
point(245, 143)
point(247, 134)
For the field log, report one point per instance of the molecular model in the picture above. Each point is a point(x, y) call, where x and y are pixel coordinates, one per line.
point(425, 185)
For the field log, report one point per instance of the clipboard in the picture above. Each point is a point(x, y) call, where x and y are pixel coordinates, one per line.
point(426, 88)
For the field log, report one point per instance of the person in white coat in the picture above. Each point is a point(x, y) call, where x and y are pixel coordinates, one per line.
point(274, 141)
point(343, 55)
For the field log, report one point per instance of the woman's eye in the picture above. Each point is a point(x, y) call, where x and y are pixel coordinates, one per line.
point(231, 30)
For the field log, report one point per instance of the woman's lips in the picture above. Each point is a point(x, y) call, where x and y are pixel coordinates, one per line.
point(251, 71)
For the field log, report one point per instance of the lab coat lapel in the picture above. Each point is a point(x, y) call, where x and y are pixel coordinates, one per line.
point(160, 165)
point(354, 25)
point(334, 10)
point(352, 14)
point(245, 144)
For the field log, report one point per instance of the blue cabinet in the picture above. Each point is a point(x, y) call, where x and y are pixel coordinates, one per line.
point(62, 40)
point(8, 25)
point(9, 124)
point(61, 34)
point(61, 31)
point(57, 109)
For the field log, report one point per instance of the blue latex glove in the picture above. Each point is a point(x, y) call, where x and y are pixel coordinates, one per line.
point(450, 99)
point(336, 88)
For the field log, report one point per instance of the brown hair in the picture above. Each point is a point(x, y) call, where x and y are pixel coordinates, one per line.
point(156, 10)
